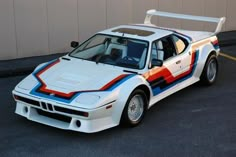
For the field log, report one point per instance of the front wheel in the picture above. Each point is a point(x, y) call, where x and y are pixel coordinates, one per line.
point(210, 71)
point(135, 109)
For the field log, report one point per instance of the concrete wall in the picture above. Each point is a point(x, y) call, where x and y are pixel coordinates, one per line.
point(39, 27)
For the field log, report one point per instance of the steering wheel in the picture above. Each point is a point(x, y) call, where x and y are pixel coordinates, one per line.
point(105, 58)
point(129, 58)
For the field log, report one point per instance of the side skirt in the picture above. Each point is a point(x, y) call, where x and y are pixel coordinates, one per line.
point(172, 90)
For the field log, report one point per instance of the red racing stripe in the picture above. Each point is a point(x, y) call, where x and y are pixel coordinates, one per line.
point(43, 87)
point(215, 42)
point(166, 74)
point(111, 83)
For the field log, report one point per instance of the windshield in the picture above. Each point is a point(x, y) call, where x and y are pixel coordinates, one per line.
point(118, 51)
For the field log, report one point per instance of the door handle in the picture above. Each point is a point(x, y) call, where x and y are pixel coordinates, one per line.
point(178, 62)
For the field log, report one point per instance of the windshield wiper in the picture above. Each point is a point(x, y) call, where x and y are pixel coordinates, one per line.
point(133, 72)
point(98, 59)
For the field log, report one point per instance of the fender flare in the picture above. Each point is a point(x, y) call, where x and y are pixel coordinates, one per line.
point(204, 53)
point(124, 92)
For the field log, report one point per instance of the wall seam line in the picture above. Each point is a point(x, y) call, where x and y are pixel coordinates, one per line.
point(49, 48)
point(204, 14)
point(106, 6)
point(16, 36)
point(78, 19)
point(182, 7)
point(157, 18)
point(226, 15)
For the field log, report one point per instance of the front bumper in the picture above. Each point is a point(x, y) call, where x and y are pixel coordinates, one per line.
point(64, 116)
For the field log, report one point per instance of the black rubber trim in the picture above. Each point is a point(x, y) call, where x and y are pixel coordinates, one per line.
point(128, 71)
point(68, 59)
point(54, 116)
point(70, 111)
point(28, 101)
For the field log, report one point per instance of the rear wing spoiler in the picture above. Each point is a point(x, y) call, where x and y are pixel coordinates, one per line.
point(219, 21)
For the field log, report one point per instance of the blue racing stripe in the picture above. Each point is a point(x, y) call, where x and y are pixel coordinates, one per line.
point(158, 90)
point(67, 101)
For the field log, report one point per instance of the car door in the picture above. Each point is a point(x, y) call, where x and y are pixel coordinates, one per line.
point(162, 78)
point(185, 55)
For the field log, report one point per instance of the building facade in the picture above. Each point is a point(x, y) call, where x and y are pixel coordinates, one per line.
point(40, 27)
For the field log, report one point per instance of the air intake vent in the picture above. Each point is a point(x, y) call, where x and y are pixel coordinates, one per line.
point(69, 111)
point(28, 101)
point(54, 116)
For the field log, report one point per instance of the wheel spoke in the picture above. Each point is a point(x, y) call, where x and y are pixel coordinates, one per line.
point(135, 108)
point(211, 70)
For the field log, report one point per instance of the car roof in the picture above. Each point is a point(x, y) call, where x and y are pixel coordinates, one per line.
point(141, 32)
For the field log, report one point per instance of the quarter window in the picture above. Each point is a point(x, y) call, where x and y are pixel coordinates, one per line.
point(179, 44)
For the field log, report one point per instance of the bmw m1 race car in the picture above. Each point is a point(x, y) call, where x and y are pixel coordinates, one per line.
point(119, 73)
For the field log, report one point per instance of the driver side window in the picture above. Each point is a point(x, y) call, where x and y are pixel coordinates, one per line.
point(163, 49)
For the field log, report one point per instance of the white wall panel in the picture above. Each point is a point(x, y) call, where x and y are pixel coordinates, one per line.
point(31, 27)
point(140, 8)
point(7, 30)
point(39, 27)
point(231, 13)
point(92, 17)
point(62, 24)
point(214, 8)
point(194, 7)
point(170, 6)
point(119, 12)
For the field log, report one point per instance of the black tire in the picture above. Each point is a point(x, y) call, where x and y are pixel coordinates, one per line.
point(206, 78)
point(125, 118)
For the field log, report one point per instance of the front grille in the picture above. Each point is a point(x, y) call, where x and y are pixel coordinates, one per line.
point(50, 108)
point(69, 111)
point(47, 106)
point(44, 105)
point(28, 101)
point(54, 116)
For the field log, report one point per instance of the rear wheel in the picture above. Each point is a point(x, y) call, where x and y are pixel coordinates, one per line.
point(135, 109)
point(210, 71)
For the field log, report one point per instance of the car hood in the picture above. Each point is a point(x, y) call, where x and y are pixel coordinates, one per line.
point(77, 75)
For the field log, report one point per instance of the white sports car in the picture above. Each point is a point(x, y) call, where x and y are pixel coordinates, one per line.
point(119, 73)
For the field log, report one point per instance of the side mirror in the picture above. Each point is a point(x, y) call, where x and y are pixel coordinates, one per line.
point(157, 62)
point(74, 44)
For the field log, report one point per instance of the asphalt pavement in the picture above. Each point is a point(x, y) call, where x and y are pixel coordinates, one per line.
point(195, 122)
point(21, 66)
